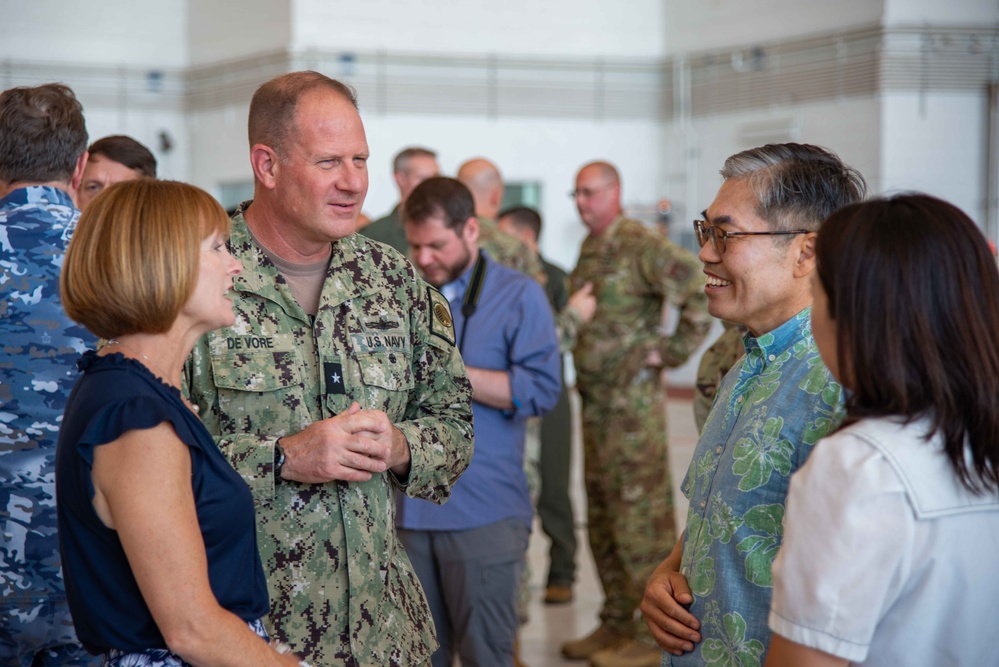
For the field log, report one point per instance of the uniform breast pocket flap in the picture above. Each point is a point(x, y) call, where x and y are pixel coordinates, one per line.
point(388, 370)
point(268, 367)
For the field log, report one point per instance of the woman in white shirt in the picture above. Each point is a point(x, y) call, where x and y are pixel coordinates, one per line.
point(891, 534)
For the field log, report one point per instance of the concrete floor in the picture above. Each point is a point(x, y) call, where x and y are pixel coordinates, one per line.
point(550, 626)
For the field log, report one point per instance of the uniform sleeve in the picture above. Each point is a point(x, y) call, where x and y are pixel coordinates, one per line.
point(847, 530)
point(676, 274)
point(251, 455)
point(568, 323)
point(535, 362)
point(535, 269)
point(438, 418)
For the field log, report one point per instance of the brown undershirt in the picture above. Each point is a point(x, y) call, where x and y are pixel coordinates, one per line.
point(304, 280)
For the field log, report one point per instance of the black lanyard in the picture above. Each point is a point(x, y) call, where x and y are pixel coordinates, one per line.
point(471, 300)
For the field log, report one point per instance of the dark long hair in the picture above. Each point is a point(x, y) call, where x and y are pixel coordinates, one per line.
point(914, 292)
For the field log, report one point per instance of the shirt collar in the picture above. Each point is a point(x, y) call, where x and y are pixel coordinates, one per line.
point(769, 347)
point(455, 290)
point(38, 194)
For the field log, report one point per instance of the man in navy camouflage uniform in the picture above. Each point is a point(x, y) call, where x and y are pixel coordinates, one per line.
point(338, 384)
point(43, 143)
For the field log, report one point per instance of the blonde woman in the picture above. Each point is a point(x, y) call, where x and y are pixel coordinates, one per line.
point(156, 529)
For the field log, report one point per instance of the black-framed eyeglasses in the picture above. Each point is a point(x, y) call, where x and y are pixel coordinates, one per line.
point(717, 236)
point(586, 193)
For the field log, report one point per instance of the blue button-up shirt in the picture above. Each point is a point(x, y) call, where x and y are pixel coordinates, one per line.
point(512, 330)
point(769, 412)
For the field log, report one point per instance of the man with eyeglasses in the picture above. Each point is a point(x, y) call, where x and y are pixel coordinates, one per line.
point(708, 601)
point(619, 357)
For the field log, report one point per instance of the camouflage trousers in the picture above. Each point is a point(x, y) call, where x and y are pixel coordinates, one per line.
point(40, 635)
point(628, 492)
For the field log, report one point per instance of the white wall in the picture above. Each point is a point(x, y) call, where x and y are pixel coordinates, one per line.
point(551, 27)
point(543, 150)
point(714, 24)
point(936, 144)
point(220, 30)
point(122, 32)
point(850, 128)
point(145, 128)
point(221, 149)
point(951, 12)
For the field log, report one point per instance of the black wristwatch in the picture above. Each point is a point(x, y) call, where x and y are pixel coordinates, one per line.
point(278, 458)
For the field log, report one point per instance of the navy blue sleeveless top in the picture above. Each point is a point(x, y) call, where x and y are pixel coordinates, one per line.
point(116, 394)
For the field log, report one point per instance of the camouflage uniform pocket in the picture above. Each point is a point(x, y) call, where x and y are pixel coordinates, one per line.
point(389, 370)
point(256, 390)
point(387, 380)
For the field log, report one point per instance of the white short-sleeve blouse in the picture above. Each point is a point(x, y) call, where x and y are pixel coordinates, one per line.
point(887, 559)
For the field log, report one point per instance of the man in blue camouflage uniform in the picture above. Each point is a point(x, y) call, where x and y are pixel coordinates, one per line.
point(43, 142)
point(338, 384)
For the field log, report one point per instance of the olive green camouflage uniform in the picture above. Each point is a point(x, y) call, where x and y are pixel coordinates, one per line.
point(634, 272)
point(509, 251)
point(715, 363)
point(388, 230)
point(342, 589)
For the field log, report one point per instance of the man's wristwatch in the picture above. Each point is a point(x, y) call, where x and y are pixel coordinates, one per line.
point(278, 458)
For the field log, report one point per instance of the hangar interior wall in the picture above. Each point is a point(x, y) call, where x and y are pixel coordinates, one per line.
point(665, 90)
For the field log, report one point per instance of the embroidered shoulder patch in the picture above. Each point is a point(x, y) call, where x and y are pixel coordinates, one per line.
point(441, 323)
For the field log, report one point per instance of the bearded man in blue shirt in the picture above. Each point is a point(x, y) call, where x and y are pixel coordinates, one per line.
point(708, 602)
point(506, 335)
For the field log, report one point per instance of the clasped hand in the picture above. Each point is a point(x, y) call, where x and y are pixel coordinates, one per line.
point(352, 446)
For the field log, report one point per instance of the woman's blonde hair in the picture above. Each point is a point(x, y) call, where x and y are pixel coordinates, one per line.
point(134, 258)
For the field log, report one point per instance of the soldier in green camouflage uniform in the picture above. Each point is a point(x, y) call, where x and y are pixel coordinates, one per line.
point(483, 179)
point(715, 363)
point(40, 346)
point(635, 272)
point(342, 589)
point(410, 167)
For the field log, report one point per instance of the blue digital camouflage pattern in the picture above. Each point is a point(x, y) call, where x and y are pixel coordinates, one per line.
point(40, 346)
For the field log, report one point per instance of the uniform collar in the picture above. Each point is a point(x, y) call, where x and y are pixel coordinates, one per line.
point(38, 194)
point(261, 276)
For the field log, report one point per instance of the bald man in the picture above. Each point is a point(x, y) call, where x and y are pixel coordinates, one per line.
point(619, 357)
point(484, 181)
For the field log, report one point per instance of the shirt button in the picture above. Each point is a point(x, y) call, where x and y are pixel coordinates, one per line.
point(739, 400)
point(718, 450)
point(772, 357)
point(703, 504)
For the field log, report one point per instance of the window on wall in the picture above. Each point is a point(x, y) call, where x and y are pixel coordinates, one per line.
point(232, 195)
point(522, 193)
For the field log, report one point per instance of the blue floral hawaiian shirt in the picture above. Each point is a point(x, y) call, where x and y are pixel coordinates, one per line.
point(767, 416)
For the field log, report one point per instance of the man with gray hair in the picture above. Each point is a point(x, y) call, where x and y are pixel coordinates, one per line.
point(43, 151)
point(411, 167)
point(708, 601)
